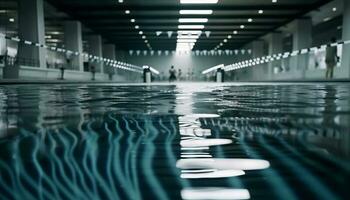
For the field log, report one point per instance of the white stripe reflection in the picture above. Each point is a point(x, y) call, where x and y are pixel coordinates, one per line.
point(214, 194)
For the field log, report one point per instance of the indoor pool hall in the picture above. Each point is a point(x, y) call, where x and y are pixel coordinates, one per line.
point(174, 99)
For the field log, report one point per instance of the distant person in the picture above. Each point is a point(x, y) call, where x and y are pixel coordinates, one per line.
point(331, 59)
point(172, 73)
point(179, 74)
point(93, 72)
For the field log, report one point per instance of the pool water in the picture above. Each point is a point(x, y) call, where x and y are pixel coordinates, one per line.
point(185, 141)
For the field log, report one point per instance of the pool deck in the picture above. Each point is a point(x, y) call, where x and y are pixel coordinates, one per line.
point(19, 82)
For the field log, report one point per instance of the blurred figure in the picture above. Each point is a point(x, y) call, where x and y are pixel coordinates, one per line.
point(331, 59)
point(179, 74)
point(172, 73)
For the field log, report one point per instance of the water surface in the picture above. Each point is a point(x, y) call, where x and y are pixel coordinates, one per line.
point(184, 141)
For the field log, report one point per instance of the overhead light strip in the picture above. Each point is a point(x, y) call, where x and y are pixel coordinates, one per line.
point(196, 12)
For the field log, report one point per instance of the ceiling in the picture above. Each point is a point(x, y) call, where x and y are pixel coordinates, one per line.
point(109, 18)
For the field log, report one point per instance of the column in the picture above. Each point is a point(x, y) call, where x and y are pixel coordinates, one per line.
point(73, 41)
point(302, 38)
point(95, 49)
point(32, 28)
point(275, 47)
point(109, 52)
point(346, 36)
point(259, 72)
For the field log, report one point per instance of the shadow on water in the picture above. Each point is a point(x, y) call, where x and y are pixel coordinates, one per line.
point(175, 141)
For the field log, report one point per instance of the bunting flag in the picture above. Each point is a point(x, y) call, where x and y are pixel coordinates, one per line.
point(145, 53)
point(138, 52)
point(158, 33)
point(207, 33)
point(131, 52)
point(159, 53)
point(170, 33)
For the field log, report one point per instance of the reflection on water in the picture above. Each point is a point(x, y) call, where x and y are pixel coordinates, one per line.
point(214, 194)
point(174, 142)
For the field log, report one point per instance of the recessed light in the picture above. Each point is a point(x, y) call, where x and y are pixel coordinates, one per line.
point(133, 20)
point(235, 32)
point(274, 1)
point(196, 12)
point(143, 37)
point(12, 20)
point(193, 20)
point(225, 40)
point(141, 32)
point(260, 11)
point(242, 26)
point(327, 19)
point(120, 1)
point(334, 9)
point(199, 1)
point(137, 27)
point(127, 12)
point(250, 20)
point(229, 37)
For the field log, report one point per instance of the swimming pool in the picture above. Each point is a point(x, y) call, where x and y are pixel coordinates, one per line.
point(183, 141)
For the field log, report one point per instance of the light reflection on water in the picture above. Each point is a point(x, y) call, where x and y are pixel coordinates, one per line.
point(172, 142)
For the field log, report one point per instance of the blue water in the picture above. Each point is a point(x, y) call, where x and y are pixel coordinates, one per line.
point(184, 141)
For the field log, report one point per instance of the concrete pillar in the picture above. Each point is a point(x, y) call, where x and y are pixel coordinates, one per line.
point(275, 47)
point(302, 38)
point(258, 72)
point(109, 53)
point(32, 28)
point(95, 49)
point(346, 36)
point(73, 41)
point(3, 46)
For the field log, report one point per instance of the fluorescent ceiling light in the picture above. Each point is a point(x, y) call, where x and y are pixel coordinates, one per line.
point(196, 12)
point(191, 26)
point(193, 20)
point(192, 32)
point(186, 40)
point(188, 36)
point(199, 1)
